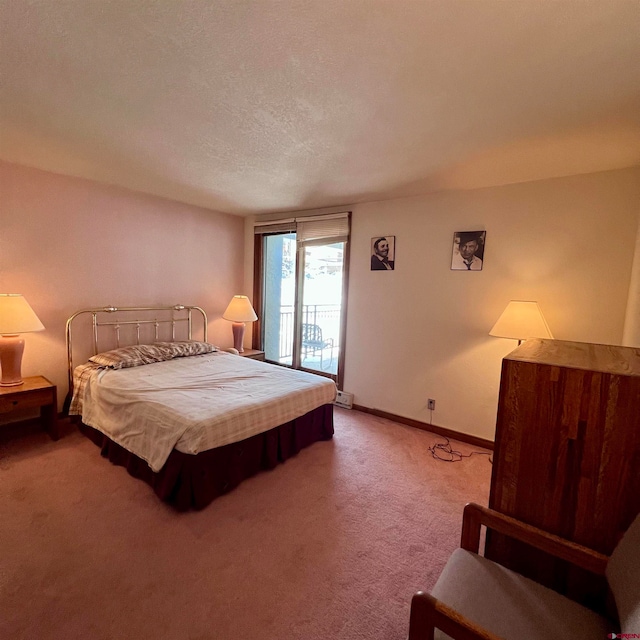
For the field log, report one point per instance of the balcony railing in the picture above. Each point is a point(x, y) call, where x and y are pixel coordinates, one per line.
point(326, 316)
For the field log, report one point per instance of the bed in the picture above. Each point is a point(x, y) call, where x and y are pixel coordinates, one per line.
point(191, 420)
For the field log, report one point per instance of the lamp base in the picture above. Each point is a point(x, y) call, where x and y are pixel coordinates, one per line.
point(11, 350)
point(238, 336)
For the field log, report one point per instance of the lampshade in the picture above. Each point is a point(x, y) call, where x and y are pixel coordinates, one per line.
point(16, 316)
point(240, 310)
point(521, 319)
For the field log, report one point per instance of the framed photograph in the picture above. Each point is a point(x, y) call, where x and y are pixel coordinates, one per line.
point(468, 250)
point(383, 253)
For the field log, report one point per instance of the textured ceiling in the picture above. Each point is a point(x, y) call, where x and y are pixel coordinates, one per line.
point(274, 105)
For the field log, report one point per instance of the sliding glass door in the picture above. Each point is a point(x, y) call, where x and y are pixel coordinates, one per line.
point(300, 289)
point(278, 300)
point(321, 309)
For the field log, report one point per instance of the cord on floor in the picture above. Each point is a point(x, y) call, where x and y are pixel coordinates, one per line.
point(445, 453)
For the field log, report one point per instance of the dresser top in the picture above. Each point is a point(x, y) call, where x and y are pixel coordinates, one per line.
point(604, 358)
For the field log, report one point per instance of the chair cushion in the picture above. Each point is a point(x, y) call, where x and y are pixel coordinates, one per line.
point(623, 575)
point(512, 606)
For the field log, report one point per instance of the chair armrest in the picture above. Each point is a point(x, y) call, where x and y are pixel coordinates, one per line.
point(474, 516)
point(428, 613)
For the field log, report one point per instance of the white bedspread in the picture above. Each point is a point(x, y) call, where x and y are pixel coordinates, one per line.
point(197, 403)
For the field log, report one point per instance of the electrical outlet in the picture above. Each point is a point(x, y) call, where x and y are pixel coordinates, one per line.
point(431, 404)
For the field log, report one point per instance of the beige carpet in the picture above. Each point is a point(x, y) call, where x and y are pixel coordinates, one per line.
point(330, 545)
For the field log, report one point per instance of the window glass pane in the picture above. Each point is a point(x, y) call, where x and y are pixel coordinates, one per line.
point(321, 306)
point(279, 296)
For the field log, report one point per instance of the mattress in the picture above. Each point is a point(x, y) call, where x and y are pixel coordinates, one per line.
point(195, 403)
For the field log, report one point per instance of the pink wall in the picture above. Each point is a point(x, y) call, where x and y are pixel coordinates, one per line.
point(68, 243)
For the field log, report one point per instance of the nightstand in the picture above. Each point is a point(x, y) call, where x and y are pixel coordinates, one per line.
point(254, 354)
point(34, 392)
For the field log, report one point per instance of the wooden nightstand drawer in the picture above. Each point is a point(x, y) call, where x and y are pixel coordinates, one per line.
point(35, 392)
point(26, 400)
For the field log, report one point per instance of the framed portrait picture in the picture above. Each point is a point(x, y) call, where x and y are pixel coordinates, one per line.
point(383, 253)
point(468, 250)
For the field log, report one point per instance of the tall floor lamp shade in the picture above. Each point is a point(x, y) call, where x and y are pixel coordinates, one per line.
point(520, 320)
point(239, 311)
point(16, 317)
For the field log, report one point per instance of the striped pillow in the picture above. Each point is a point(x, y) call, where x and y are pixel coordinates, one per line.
point(139, 354)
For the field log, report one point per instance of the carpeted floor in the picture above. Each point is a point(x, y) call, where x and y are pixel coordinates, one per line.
point(329, 546)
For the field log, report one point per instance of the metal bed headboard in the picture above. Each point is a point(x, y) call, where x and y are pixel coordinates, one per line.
point(116, 324)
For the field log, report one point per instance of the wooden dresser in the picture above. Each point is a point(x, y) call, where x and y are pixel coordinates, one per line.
point(567, 453)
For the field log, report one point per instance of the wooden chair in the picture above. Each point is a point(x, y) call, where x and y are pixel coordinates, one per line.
point(477, 599)
point(312, 342)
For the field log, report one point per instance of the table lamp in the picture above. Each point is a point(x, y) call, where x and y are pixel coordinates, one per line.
point(239, 311)
point(521, 319)
point(16, 317)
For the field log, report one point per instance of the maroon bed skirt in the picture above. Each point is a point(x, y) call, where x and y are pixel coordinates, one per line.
point(193, 481)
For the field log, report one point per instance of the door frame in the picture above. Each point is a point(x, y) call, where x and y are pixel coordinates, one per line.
point(258, 300)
